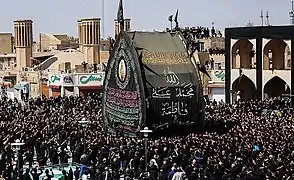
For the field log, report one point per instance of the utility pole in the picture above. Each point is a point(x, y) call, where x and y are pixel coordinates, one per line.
point(291, 13)
point(103, 18)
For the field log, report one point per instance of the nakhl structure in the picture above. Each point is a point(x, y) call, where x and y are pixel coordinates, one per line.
point(151, 80)
point(258, 62)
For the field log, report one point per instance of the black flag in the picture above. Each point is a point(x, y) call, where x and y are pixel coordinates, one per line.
point(170, 18)
point(203, 70)
point(120, 15)
point(176, 19)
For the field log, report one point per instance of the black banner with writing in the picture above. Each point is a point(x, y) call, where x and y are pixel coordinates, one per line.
point(124, 96)
point(175, 96)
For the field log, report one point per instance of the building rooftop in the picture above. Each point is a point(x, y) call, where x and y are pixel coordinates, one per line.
point(73, 56)
point(35, 54)
point(163, 52)
point(277, 32)
point(125, 19)
point(27, 20)
point(3, 33)
point(91, 19)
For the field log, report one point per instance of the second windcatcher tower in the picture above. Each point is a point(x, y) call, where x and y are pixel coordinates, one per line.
point(23, 31)
point(89, 39)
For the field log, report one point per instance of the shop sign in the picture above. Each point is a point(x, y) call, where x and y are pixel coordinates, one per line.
point(218, 76)
point(91, 80)
point(68, 80)
point(55, 79)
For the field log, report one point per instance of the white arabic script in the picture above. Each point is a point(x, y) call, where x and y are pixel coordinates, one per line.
point(186, 91)
point(173, 108)
point(171, 77)
point(158, 92)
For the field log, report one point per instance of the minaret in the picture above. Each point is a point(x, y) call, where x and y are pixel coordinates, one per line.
point(23, 32)
point(267, 18)
point(261, 17)
point(291, 13)
point(127, 24)
point(90, 39)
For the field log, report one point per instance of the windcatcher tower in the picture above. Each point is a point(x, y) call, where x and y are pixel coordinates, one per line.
point(127, 26)
point(23, 32)
point(80, 35)
point(89, 37)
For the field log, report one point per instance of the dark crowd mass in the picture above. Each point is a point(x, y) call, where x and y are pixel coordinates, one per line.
point(200, 32)
point(242, 141)
point(194, 35)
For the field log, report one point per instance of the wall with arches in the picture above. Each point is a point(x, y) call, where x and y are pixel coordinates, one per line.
point(276, 54)
point(279, 66)
point(276, 63)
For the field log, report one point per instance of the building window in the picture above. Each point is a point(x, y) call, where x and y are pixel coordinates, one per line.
point(8, 62)
point(201, 46)
point(217, 66)
point(102, 47)
point(67, 66)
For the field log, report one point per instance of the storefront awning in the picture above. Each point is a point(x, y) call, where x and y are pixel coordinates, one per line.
point(215, 85)
point(54, 86)
point(90, 87)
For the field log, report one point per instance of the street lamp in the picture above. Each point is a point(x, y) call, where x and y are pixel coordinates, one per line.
point(146, 132)
point(84, 124)
point(40, 81)
point(17, 144)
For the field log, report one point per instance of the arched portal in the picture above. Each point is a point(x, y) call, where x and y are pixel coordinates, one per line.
point(274, 55)
point(244, 87)
point(276, 87)
point(242, 56)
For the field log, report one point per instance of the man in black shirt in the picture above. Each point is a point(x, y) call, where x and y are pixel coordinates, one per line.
point(77, 173)
point(49, 176)
point(35, 174)
point(27, 176)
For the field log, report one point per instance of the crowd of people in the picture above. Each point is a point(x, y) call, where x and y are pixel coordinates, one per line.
point(197, 32)
point(200, 32)
point(244, 140)
point(193, 36)
point(216, 51)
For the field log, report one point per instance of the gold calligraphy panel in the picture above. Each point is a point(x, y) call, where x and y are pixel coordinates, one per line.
point(165, 57)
